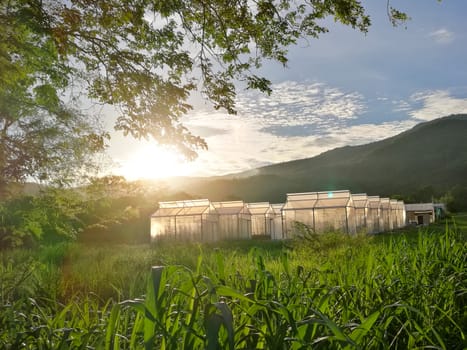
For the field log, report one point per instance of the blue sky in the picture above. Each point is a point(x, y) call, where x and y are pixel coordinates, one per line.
point(345, 88)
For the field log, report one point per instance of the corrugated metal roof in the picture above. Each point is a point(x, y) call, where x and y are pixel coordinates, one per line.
point(419, 207)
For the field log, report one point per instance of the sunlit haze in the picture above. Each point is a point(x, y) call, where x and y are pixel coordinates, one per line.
point(150, 161)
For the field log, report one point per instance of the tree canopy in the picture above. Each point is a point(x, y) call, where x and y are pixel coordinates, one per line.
point(144, 57)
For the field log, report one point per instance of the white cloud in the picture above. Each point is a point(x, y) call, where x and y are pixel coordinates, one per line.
point(442, 36)
point(297, 108)
point(436, 104)
point(300, 120)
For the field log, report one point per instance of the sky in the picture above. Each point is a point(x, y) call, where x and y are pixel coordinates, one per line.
point(345, 88)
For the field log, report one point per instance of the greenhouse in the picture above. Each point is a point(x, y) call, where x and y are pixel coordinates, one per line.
point(185, 220)
point(393, 208)
point(234, 220)
point(402, 214)
point(384, 215)
point(372, 218)
point(276, 219)
point(334, 211)
point(261, 219)
point(399, 214)
point(361, 203)
point(298, 208)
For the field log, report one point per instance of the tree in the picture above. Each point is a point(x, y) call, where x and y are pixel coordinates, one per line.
point(41, 137)
point(144, 57)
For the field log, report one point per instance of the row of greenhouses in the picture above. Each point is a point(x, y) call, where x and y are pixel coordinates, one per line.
point(331, 211)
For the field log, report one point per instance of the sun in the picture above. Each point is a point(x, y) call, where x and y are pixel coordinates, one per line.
point(154, 162)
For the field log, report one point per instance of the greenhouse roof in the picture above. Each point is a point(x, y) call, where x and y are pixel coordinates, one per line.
point(230, 208)
point(305, 200)
point(394, 204)
point(261, 208)
point(172, 211)
point(333, 199)
point(360, 200)
point(186, 207)
point(385, 203)
point(199, 210)
point(374, 202)
point(276, 208)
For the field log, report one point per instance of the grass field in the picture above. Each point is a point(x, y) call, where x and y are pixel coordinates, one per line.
point(399, 290)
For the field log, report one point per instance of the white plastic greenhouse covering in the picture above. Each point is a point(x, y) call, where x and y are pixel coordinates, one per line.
point(361, 204)
point(298, 208)
point(276, 216)
point(400, 214)
point(185, 220)
point(374, 209)
point(334, 211)
point(261, 219)
point(384, 215)
point(321, 212)
point(234, 220)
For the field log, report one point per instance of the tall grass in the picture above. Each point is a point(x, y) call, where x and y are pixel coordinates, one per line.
point(329, 292)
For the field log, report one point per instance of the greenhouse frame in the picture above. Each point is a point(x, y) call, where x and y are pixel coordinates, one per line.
point(385, 215)
point(397, 214)
point(372, 219)
point(261, 219)
point(234, 220)
point(334, 211)
point(277, 222)
point(195, 220)
point(298, 208)
point(361, 204)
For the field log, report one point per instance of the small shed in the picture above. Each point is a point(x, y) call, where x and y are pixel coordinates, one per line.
point(261, 219)
point(334, 211)
point(361, 204)
point(234, 220)
point(185, 220)
point(276, 219)
point(420, 213)
point(384, 215)
point(373, 213)
point(298, 208)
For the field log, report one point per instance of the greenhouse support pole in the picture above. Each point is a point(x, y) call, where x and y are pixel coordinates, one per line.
point(201, 229)
point(346, 220)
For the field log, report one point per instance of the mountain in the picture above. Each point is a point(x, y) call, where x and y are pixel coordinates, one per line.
point(429, 159)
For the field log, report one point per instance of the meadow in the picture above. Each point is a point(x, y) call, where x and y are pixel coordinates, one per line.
point(399, 290)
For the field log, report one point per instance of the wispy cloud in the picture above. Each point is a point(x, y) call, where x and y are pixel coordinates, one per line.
point(436, 104)
point(299, 120)
point(300, 108)
point(442, 36)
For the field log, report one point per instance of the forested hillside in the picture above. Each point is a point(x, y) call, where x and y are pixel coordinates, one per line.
point(425, 162)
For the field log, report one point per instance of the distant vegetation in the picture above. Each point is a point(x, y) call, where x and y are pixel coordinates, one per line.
point(404, 290)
